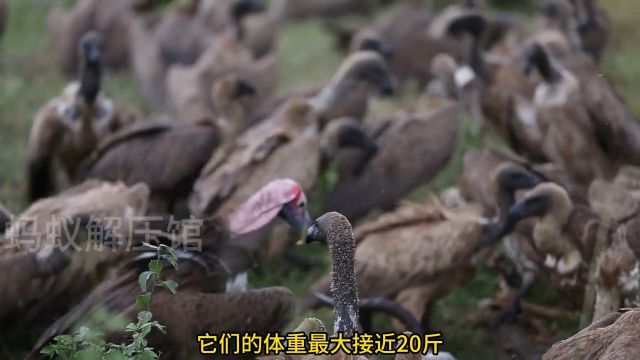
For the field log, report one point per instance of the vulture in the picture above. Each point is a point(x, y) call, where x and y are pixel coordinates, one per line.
point(617, 272)
point(420, 252)
point(585, 24)
point(168, 155)
point(157, 42)
point(612, 337)
point(289, 143)
point(48, 261)
point(580, 117)
point(563, 237)
point(334, 230)
point(412, 148)
point(260, 29)
point(68, 127)
point(189, 86)
point(211, 280)
point(67, 26)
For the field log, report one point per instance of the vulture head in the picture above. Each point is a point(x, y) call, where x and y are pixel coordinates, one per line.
point(346, 133)
point(537, 58)
point(547, 200)
point(283, 198)
point(243, 8)
point(372, 41)
point(91, 54)
point(470, 24)
point(368, 67)
point(509, 178)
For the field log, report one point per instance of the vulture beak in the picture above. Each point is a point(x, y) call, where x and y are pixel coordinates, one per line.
point(313, 235)
point(385, 82)
point(243, 88)
point(296, 216)
point(531, 207)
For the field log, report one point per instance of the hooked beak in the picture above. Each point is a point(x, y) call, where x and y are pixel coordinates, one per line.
point(93, 55)
point(313, 235)
point(243, 88)
point(298, 218)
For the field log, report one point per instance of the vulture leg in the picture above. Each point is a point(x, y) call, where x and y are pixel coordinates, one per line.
point(514, 309)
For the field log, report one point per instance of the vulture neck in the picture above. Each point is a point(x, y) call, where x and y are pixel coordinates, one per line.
point(343, 279)
point(90, 81)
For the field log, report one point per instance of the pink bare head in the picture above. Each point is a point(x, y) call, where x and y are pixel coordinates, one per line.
point(281, 197)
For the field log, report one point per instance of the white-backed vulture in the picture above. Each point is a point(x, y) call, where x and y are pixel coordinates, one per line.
point(260, 29)
point(612, 337)
point(174, 37)
point(347, 93)
point(617, 274)
point(578, 117)
point(204, 295)
point(47, 259)
point(68, 128)
point(169, 155)
point(66, 28)
point(419, 253)
point(290, 144)
point(189, 87)
point(564, 235)
point(412, 148)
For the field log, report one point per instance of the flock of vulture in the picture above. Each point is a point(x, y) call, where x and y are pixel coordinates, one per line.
point(559, 203)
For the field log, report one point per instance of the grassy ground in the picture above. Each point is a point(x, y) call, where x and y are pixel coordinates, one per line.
point(28, 78)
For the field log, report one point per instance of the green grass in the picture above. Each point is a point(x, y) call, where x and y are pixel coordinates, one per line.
point(306, 51)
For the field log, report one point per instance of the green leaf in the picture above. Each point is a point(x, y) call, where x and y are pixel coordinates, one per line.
point(148, 354)
point(131, 327)
point(50, 350)
point(155, 266)
point(114, 354)
point(171, 261)
point(143, 300)
point(170, 285)
point(143, 280)
point(144, 317)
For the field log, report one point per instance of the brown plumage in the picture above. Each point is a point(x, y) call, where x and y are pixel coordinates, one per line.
point(347, 93)
point(47, 270)
point(412, 149)
point(417, 253)
point(176, 37)
point(68, 128)
point(165, 155)
point(612, 337)
point(260, 29)
point(617, 274)
point(575, 116)
point(66, 27)
point(189, 86)
point(288, 144)
point(204, 280)
point(564, 235)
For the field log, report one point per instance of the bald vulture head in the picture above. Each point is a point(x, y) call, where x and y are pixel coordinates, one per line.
point(231, 88)
point(537, 58)
point(345, 133)
point(545, 200)
point(243, 8)
point(368, 67)
point(90, 50)
point(369, 39)
point(283, 198)
point(509, 178)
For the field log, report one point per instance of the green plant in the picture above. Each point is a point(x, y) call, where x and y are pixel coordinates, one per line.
point(90, 344)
